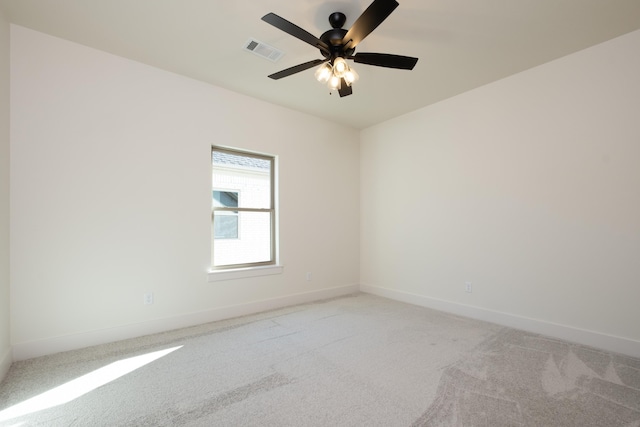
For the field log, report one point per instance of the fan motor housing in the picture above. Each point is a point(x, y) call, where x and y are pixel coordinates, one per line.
point(335, 35)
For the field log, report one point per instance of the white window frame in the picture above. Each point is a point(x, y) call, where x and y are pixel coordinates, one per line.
point(271, 266)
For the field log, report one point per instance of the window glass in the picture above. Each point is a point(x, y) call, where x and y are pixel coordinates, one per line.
point(251, 175)
point(227, 199)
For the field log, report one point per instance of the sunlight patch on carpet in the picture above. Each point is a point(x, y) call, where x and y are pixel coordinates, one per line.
point(80, 386)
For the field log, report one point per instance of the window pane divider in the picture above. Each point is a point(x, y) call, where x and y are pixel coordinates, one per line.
point(266, 210)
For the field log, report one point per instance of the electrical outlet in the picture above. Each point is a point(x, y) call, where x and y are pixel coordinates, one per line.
point(467, 287)
point(308, 276)
point(148, 298)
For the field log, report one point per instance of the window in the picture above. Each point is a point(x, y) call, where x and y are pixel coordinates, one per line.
point(242, 209)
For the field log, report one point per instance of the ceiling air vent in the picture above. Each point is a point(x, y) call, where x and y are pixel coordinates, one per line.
point(263, 50)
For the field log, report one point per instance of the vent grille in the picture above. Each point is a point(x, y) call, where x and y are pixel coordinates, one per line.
point(264, 50)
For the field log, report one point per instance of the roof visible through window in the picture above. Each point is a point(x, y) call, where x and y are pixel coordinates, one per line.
point(220, 158)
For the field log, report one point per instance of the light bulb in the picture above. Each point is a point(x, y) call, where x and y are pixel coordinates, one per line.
point(340, 67)
point(323, 73)
point(351, 76)
point(334, 83)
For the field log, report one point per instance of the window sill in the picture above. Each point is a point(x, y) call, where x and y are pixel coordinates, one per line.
point(241, 273)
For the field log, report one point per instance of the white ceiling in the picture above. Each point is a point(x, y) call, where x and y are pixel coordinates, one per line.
point(462, 44)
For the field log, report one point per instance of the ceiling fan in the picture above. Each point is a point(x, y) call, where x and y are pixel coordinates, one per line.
point(337, 45)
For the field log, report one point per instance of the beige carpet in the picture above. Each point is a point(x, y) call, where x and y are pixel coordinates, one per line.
point(354, 361)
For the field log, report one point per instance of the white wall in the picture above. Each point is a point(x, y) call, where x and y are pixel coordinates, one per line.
point(528, 187)
point(5, 344)
point(110, 198)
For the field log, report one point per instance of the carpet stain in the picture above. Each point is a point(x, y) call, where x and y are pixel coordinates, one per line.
point(515, 377)
point(180, 414)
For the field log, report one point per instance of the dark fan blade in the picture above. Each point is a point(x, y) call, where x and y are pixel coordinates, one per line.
point(385, 60)
point(295, 31)
point(297, 69)
point(377, 12)
point(344, 89)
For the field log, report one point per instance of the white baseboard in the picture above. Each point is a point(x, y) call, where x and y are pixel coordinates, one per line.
point(5, 363)
point(31, 349)
point(580, 336)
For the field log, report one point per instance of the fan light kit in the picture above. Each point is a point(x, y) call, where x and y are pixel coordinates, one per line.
point(333, 75)
point(337, 45)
